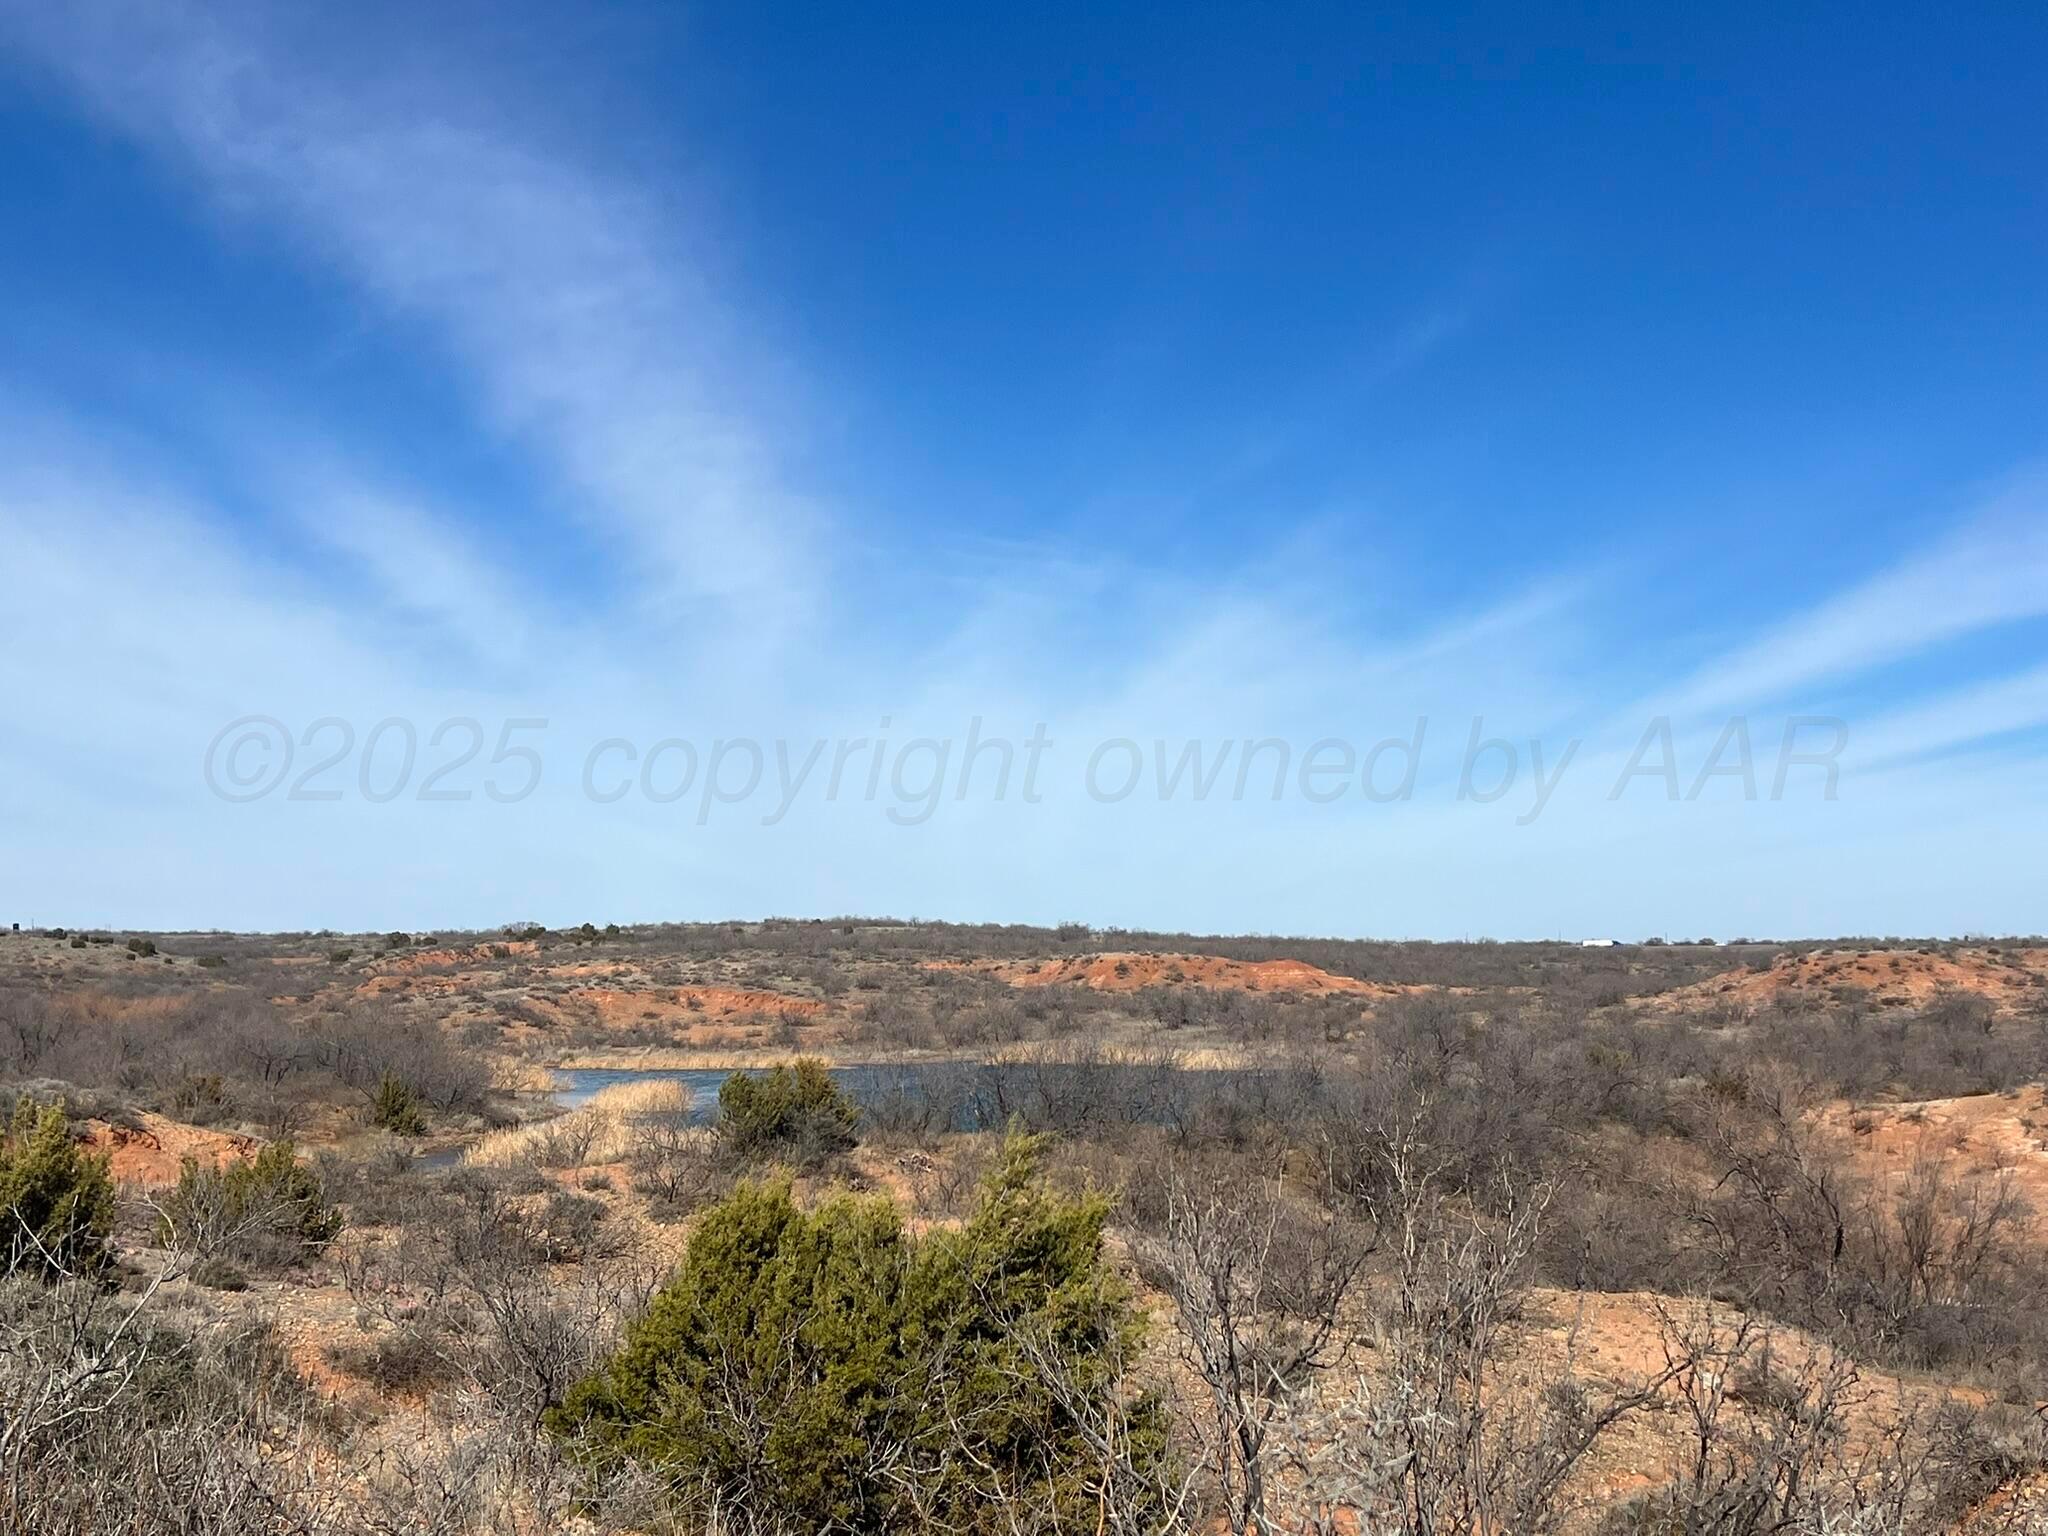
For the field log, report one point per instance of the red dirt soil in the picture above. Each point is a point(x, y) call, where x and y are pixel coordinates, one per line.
point(1616, 1339)
point(1976, 1135)
point(1892, 977)
point(1129, 972)
point(152, 1155)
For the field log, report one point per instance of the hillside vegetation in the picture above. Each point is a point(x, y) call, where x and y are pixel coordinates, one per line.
point(1117, 1232)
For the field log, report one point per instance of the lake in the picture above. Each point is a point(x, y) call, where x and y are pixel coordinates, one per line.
point(1045, 1095)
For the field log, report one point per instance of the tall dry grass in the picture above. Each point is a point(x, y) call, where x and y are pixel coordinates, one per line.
point(600, 1131)
point(649, 1096)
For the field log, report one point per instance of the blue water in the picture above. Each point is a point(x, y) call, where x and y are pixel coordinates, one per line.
point(866, 1085)
point(577, 1086)
point(966, 1096)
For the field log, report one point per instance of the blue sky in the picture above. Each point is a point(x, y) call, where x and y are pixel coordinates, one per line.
point(1205, 379)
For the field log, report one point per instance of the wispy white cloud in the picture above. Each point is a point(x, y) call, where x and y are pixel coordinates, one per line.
point(569, 301)
point(573, 302)
point(1991, 571)
point(158, 627)
point(1960, 717)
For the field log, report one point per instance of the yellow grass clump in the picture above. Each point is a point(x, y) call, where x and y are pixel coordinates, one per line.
point(600, 1131)
point(648, 1096)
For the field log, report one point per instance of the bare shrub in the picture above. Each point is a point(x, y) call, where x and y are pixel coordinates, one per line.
point(677, 1164)
point(1258, 1284)
point(476, 1272)
point(367, 1045)
point(270, 1212)
point(1768, 1447)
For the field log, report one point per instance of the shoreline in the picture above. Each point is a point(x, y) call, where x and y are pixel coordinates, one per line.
point(1204, 1058)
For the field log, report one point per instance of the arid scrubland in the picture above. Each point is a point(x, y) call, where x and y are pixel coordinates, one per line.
point(1031, 1230)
